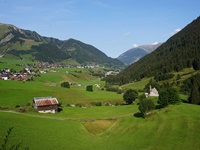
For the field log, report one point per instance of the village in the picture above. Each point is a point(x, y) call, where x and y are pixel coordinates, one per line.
point(22, 75)
point(34, 70)
point(45, 104)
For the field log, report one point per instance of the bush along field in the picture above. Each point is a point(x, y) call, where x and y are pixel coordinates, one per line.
point(93, 119)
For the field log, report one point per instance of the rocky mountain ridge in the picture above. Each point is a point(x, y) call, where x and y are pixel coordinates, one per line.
point(136, 53)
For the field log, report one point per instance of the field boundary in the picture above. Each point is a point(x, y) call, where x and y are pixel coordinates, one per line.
point(63, 118)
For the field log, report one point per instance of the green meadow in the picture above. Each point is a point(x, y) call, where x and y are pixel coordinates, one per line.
point(175, 127)
point(96, 127)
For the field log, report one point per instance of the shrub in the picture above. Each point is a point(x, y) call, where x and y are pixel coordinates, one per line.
point(89, 88)
point(78, 105)
point(98, 104)
point(117, 103)
point(21, 110)
point(93, 103)
point(112, 89)
point(142, 97)
point(107, 104)
point(146, 106)
point(68, 105)
point(4, 107)
point(65, 84)
point(17, 106)
point(130, 96)
point(27, 104)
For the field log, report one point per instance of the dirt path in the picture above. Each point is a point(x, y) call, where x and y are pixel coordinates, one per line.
point(63, 118)
point(39, 116)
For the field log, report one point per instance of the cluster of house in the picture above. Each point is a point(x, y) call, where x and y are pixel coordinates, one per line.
point(22, 75)
point(48, 65)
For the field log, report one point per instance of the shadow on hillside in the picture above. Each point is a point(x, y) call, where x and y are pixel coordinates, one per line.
point(184, 101)
point(138, 115)
point(158, 107)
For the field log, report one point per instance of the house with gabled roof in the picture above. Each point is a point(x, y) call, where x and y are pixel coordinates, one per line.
point(45, 104)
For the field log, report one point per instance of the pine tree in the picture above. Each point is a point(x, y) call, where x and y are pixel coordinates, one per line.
point(196, 64)
point(168, 96)
point(195, 95)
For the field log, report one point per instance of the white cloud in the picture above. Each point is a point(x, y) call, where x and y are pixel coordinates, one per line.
point(172, 33)
point(175, 31)
point(154, 43)
point(135, 45)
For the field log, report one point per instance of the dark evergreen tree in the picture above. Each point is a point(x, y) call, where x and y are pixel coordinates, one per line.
point(188, 84)
point(163, 98)
point(168, 96)
point(151, 83)
point(195, 95)
point(178, 77)
point(130, 96)
point(196, 64)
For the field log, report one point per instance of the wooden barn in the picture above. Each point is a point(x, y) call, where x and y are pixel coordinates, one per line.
point(45, 104)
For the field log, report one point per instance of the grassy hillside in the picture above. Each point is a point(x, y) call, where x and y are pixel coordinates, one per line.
point(175, 127)
point(174, 81)
point(106, 127)
point(19, 43)
point(18, 93)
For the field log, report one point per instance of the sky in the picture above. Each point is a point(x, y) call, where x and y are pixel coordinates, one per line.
point(112, 26)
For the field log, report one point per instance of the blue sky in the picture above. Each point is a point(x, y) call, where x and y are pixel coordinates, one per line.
point(112, 26)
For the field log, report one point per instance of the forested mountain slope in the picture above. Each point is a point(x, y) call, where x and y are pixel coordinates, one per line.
point(180, 51)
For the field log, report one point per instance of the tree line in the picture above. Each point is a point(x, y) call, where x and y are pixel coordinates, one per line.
point(179, 52)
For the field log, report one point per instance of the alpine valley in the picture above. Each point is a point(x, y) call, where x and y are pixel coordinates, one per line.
point(153, 104)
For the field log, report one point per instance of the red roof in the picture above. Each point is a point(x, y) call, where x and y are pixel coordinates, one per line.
point(44, 102)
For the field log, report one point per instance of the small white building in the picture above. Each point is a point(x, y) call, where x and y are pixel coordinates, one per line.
point(153, 91)
point(4, 77)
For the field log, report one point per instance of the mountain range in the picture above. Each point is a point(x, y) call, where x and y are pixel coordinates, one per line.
point(180, 51)
point(136, 53)
point(16, 43)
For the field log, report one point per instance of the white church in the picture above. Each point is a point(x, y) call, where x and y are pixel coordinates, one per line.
point(153, 92)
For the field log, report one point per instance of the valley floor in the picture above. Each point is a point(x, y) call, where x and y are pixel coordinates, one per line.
point(174, 127)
